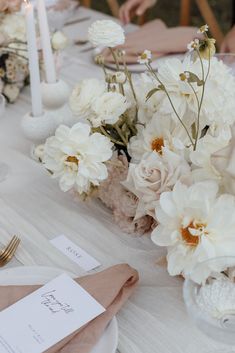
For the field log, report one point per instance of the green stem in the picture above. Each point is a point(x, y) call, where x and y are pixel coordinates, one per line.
point(119, 131)
point(104, 132)
point(202, 97)
point(169, 98)
point(121, 89)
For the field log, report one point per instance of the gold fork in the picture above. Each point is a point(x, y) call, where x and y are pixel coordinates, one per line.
point(7, 254)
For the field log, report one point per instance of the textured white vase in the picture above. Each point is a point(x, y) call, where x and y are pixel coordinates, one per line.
point(55, 95)
point(38, 129)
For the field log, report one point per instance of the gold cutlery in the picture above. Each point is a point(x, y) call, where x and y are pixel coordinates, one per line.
point(7, 254)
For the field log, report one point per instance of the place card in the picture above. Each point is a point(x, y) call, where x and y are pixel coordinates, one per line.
point(45, 317)
point(75, 253)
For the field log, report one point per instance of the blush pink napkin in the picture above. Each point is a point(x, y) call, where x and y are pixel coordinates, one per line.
point(155, 36)
point(111, 288)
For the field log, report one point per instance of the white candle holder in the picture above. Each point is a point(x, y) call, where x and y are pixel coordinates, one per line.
point(38, 129)
point(55, 95)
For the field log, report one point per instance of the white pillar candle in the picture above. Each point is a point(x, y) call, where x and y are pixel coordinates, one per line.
point(35, 83)
point(48, 57)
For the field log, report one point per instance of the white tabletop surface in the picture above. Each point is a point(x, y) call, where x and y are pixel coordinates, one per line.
point(31, 205)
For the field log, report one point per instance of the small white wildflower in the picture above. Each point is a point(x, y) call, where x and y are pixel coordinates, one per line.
point(145, 57)
point(203, 29)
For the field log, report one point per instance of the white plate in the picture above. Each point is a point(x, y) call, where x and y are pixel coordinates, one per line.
point(138, 68)
point(25, 275)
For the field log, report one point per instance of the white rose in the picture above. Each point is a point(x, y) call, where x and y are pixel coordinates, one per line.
point(154, 175)
point(109, 107)
point(106, 33)
point(83, 96)
point(59, 41)
point(11, 92)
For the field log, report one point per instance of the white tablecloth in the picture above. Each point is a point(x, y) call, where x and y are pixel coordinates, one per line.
point(31, 205)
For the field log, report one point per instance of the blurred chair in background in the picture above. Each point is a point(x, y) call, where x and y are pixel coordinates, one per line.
point(137, 7)
point(207, 14)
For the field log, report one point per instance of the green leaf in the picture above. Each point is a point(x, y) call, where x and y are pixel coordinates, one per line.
point(154, 90)
point(194, 78)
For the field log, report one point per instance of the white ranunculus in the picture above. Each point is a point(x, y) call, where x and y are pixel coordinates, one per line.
point(153, 175)
point(106, 33)
point(109, 107)
point(59, 40)
point(83, 96)
point(160, 132)
point(195, 225)
point(76, 157)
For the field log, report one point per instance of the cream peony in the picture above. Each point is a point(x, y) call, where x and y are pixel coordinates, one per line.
point(83, 96)
point(154, 175)
point(77, 157)
point(59, 40)
point(109, 107)
point(106, 33)
point(195, 225)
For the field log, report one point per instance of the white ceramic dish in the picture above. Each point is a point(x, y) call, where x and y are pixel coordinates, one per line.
point(41, 275)
point(137, 68)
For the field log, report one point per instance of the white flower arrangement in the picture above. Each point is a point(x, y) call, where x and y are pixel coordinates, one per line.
point(158, 149)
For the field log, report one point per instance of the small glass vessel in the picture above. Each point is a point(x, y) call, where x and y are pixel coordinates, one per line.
point(211, 304)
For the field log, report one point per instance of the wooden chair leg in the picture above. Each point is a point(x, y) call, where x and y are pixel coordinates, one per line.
point(142, 19)
point(114, 7)
point(210, 19)
point(86, 3)
point(185, 9)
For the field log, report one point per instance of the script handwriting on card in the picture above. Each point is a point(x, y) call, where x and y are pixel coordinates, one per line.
point(53, 304)
point(73, 252)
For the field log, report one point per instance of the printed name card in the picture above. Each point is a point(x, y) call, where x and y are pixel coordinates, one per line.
point(45, 317)
point(75, 253)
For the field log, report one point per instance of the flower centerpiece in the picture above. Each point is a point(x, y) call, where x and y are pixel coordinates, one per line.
point(157, 148)
point(14, 71)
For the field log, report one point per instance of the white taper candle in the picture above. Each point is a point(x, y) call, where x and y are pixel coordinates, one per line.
point(35, 83)
point(48, 57)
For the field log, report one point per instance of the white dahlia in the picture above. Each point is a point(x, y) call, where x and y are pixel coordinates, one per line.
point(77, 157)
point(218, 103)
point(160, 132)
point(195, 224)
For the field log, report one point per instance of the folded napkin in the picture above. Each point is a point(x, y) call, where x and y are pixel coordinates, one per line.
point(155, 36)
point(111, 288)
